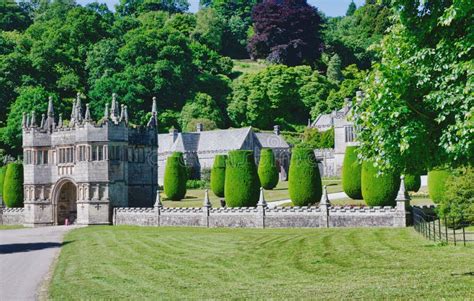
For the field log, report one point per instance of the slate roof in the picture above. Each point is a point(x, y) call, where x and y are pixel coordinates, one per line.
point(325, 121)
point(271, 140)
point(216, 140)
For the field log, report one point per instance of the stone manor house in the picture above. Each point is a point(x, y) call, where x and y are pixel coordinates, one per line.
point(78, 172)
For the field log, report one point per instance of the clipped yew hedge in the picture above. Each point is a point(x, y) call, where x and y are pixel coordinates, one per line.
point(351, 174)
point(412, 182)
point(305, 184)
point(379, 190)
point(175, 177)
point(13, 185)
point(267, 169)
point(437, 184)
point(218, 175)
point(242, 185)
point(2, 178)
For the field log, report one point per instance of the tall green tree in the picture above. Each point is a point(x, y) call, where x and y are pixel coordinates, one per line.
point(136, 7)
point(209, 28)
point(351, 9)
point(334, 72)
point(13, 16)
point(419, 101)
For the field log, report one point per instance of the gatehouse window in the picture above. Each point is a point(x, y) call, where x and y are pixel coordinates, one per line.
point(66, 155)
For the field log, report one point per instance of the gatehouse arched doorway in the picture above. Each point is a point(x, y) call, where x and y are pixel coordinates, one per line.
point(65, 204)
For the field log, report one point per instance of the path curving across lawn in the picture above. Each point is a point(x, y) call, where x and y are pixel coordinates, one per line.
point(125, 262)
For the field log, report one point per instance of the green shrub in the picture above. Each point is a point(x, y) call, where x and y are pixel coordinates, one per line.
point(437, 184)
point(218, 175)
point(13, 185)
point(379, 190)
point(351, 174)
point(412, 182)
point(175, 177)
point(242, 185)
point(305, 185)
point(267, 169)
point(459, 201)
point(2, 178)
point(196, 184)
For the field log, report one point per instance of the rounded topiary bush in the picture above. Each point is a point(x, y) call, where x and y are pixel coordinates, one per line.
point(267, 170)
point(2, 178)
point(13, 185)
point(437, 184)
point(218, 175)
point(175, 177)
point(351, 174)
point(412, 182)
point(242, 185)
point(305, 185)
point(379, 190)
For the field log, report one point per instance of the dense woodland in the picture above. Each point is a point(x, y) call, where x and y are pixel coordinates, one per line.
point(413, 59)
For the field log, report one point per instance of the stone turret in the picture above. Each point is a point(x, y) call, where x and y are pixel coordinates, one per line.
point(24, 120)
point(78, 116)
point(33, 119)
point(72, 119)
point(87, 116)
point(43, 120)
point(114, 109)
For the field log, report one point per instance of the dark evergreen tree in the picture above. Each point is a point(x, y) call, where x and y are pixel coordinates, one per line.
point(351, 9)
point(305, 184)
point(218, 175)
point(379, 189)
point(13, 185)
point(242, 186)
point(334, 72)
point(351, 174)
point(286, 32)
point(175, 177)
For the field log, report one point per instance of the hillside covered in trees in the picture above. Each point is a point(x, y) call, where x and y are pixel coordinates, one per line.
point(195, 64)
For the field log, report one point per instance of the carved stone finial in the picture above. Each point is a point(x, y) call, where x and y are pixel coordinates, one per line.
point(122, 113)
point(153, 122)
point(207, 202)
point(158, 202)
point(50, 107)
point(114, 108)
point(24, 121)
point(87, 116)
point(28, 121)
point(42, 123)
point(125, 114)
point(33, 119)
point(72, 120)
point(261, 199)
point(78, 117)
point(60, 122)
point(402, 194)
point(106, 112)
point(324, 198)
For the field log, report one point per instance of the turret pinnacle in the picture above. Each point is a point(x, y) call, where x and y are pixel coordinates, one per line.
point(78, 108)
point(50, 107)
point(125, 115)
point(153, 122)
point(106, 111)
point(87, 116)
point(49, 123)
point(33, 119)
point(24, 122)
point(42, 121)
point(72, 120)
point(60, 122)
point(114, 108)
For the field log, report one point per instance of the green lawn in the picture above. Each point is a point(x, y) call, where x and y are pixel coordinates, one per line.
point(10, 227)
point(124, 262)
point(247, 66)
point(195, 197)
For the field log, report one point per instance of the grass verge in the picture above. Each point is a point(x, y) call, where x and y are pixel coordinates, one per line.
point(124, 262)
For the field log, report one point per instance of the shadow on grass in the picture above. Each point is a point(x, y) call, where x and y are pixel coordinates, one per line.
point(28, 247)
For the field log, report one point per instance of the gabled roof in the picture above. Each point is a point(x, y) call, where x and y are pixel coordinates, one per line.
point(271, 140)
point(216, 140)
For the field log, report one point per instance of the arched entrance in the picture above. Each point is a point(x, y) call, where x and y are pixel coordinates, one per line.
point(66, 203)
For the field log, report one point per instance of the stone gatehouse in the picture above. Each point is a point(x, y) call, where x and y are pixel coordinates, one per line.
point(77, 172)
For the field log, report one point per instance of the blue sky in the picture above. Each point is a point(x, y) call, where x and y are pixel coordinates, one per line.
point(329, 7)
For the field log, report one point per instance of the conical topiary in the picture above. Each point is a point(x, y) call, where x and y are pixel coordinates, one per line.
point(218, 175)
point(2, 178)
point(13, 185)
point(412, 182)
point(175, 177)
point(305, 185)
point(351, 174)
point(437, 184)
point(242, 186)
point(379, 189)
point(267, 170)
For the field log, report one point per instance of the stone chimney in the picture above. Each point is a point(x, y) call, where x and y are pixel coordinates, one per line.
point(276, 129)
point(174, 134)
point(199, 127)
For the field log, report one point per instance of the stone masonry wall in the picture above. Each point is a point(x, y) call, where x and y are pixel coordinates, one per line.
point(262, 217)
point(11, 216)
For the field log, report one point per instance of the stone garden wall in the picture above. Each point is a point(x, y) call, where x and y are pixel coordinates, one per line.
point(263, 217)
point(11, 216)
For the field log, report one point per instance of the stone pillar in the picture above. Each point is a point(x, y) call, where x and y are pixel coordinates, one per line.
point(261, 206)
point(158, 206)
point(324, 205)
point(206, 208)
point(403, 201)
